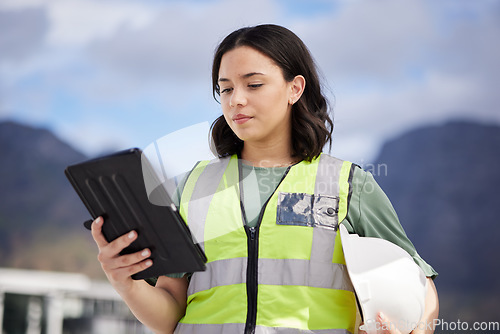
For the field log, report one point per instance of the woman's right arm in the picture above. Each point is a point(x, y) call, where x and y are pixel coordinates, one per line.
point(159, 307)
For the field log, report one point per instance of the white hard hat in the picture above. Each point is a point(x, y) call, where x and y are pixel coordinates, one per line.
point(385, 279)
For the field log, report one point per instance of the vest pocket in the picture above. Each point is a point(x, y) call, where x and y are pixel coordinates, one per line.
point(307, 210)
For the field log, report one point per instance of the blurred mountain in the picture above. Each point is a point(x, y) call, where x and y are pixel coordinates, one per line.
point(40, 214)
point(444, 184)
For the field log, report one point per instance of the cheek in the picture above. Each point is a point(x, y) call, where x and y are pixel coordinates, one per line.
point(278, 98)
point(224, 104)
point(225, 113)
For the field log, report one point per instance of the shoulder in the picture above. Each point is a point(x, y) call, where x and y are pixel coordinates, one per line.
point(365, 189)
point(208, 172)
point(216, 163)
point(219, 161)
point(327, 158)
point(330, 159)
point(353, 172)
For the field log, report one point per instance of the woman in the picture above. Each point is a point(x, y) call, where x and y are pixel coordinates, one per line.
point(275, 263)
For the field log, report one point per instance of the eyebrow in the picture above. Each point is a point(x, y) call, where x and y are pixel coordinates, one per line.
point(244, 76)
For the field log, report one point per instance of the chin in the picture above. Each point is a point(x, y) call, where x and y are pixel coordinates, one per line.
point(242, 135)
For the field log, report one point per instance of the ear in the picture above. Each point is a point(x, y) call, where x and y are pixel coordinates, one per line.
point(297, 86)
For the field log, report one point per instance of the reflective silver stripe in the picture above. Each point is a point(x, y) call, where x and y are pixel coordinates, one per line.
point(202, 195)
point(327, 176)
point(285, 330)
point(183, 328)
point(273, 272)
point(327, 183)
point(222, 272)
point(322, 245)
point(303, 272)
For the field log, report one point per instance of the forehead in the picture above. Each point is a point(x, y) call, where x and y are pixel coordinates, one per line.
point(244, 59)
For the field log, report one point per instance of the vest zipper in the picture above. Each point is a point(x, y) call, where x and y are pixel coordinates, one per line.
point(252, 262)
point(251, 279)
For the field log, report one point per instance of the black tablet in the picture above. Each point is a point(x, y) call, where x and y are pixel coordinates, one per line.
point(113, 187)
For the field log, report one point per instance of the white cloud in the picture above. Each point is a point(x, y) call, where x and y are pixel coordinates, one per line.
point(92, 137)
point(22, 34)
point(395, 65)
point(180, 41)
point(79, 22)
point(20, 4)
point(392, 65)
point(366, 39)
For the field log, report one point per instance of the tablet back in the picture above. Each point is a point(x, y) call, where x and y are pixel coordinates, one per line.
point(113, 187)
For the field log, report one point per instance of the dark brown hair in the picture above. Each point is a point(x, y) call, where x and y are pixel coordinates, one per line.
point(311, 124)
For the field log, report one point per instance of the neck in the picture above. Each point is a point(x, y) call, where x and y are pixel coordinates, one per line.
point(276, 154)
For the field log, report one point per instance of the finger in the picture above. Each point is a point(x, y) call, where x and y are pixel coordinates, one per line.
point(128, 260)
point(361, 331)
point(117, 245)
point(386, 325)
point(96, 230)
point(128, 271)
point(382, 322)
point(111, 251)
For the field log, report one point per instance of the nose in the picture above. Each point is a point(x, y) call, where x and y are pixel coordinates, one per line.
point(237, 98)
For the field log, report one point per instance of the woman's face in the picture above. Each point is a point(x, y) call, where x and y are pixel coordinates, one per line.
point(254, 96)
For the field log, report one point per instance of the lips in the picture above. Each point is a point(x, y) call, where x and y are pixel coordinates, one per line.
point(241, 118)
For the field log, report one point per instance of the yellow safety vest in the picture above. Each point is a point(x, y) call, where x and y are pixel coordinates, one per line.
point(288, 274)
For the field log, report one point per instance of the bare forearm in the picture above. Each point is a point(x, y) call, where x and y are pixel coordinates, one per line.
point(431, 312)
point(154, 307)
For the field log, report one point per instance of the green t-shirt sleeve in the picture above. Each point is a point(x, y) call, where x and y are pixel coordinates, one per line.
point(371, 214)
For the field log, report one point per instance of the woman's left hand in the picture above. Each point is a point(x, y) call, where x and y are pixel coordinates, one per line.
point(383, 326)
point(426, 323)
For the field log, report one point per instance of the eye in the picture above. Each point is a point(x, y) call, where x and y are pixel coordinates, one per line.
point(255, 86)
point(225, 90)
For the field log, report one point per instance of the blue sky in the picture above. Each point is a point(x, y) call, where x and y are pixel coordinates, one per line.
point(108, 75)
